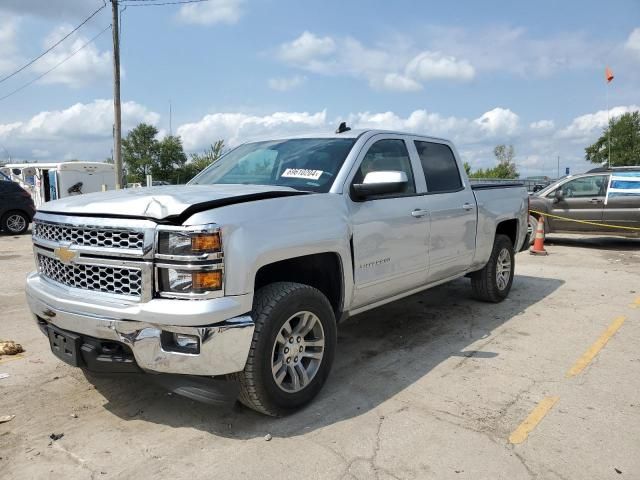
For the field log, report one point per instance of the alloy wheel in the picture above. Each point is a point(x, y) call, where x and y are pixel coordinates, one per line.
point(297, 352)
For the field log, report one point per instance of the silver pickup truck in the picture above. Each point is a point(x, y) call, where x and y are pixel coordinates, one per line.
point(242, 276)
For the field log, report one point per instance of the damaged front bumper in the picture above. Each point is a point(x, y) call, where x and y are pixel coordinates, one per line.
point(83, 336)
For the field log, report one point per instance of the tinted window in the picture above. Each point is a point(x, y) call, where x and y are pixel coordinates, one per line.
point(386, 155)
point(585, 187)
point(439, 166)
point(304, 164)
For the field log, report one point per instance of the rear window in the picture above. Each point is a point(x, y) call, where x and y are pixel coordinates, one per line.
point(439, 167)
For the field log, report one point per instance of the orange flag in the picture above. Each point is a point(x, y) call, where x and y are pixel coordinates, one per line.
point(608, 75)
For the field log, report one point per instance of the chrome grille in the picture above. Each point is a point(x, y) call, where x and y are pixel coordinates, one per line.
point(116, 280)
point(89, 236)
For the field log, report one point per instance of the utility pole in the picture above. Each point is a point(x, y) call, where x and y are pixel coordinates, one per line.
point(558, 172)
point(117, 130)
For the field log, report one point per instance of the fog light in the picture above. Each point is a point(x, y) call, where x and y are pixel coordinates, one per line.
point(186, 343)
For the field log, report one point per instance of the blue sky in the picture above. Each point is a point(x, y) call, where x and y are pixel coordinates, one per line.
point(480, 73)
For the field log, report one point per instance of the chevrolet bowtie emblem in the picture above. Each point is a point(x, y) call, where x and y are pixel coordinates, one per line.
point(65, 255)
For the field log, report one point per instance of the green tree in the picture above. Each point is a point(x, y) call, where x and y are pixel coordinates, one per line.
point(506, 167)
point(171, 159)
point(467, 168)
point(140, 151)
point(624, 133)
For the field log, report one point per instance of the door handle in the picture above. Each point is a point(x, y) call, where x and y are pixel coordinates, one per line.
point(419, 212)
point(596, 200)
point(468, 206)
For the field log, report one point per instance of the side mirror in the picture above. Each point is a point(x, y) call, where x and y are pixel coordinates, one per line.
point(558, 195)
point(380, 183)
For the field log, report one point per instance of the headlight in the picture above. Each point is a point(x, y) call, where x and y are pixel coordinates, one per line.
point(189, 281)
point(189, 262)
point(188, 243)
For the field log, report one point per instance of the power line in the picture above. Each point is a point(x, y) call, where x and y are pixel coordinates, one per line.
point(148, 3)
point(55, 66)
point(52, 46)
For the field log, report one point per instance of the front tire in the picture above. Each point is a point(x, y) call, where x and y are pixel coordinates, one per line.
point(15, 223)
point(292, 348)
point(493, 282)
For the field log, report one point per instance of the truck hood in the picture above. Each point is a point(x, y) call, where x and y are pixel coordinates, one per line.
point(171, 204)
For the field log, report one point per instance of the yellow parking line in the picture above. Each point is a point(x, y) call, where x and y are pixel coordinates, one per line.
point(636, 303)
point(521, 433)
point(594, 349)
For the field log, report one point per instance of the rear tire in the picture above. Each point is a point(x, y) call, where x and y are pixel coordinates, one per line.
point(292, 348)
point(533, 225)
point(15, 223)
point(493, 282)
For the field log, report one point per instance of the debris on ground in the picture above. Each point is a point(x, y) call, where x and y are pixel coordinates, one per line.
point(618, 471)
point(9, 347)
point(4, 375)
point(74, 415)
point(56, 436)
point(268, 437)
point(6, 418)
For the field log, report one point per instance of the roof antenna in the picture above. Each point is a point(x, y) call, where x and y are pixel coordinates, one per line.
point(342, 128)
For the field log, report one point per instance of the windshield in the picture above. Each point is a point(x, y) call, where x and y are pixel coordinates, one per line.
point(309, 164)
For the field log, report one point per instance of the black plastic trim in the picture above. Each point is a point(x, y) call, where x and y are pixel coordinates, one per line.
point(489, 186)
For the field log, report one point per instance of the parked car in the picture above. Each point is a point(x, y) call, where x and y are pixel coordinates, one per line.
point(582, 197)
point(16, 208)
point(244, 274)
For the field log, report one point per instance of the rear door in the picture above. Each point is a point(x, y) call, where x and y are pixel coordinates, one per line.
point(452, 211)
point(622, 206)
point(390, 232)
point(582, 199)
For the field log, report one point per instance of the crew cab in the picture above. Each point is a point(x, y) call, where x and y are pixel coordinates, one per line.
point(590, 203)
point(242, 276)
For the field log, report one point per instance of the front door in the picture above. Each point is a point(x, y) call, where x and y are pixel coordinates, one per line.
point(582, 199)
point(390, 232)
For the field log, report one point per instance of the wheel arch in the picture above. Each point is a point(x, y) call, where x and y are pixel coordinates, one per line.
point(323, 271)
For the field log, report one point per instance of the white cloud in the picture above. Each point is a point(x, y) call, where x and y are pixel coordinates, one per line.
point(399, 83)
point(212, 12)
point(434, 65)
point(390, 66)
point(498, 122)
point(283, 84)
point(308, 51)
point(542, 125)
point(592, 124)
point(238, 127)
point(83, 131)
point(86, 66)
point(633, 42)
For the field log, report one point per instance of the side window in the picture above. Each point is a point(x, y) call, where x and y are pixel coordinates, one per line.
point(385, 155)
point(585, 187)
point(439, 166)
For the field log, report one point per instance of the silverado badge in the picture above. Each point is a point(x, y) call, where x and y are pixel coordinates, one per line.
point(65, 255)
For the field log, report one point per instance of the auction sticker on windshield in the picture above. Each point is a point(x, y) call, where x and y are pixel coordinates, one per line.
point(302, 173)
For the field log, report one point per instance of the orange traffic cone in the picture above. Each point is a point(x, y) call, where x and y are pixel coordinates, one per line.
point(538, 244)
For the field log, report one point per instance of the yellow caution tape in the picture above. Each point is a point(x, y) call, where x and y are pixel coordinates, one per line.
point(597, 224)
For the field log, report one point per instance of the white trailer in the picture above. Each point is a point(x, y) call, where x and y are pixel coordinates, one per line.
point(51, 181)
